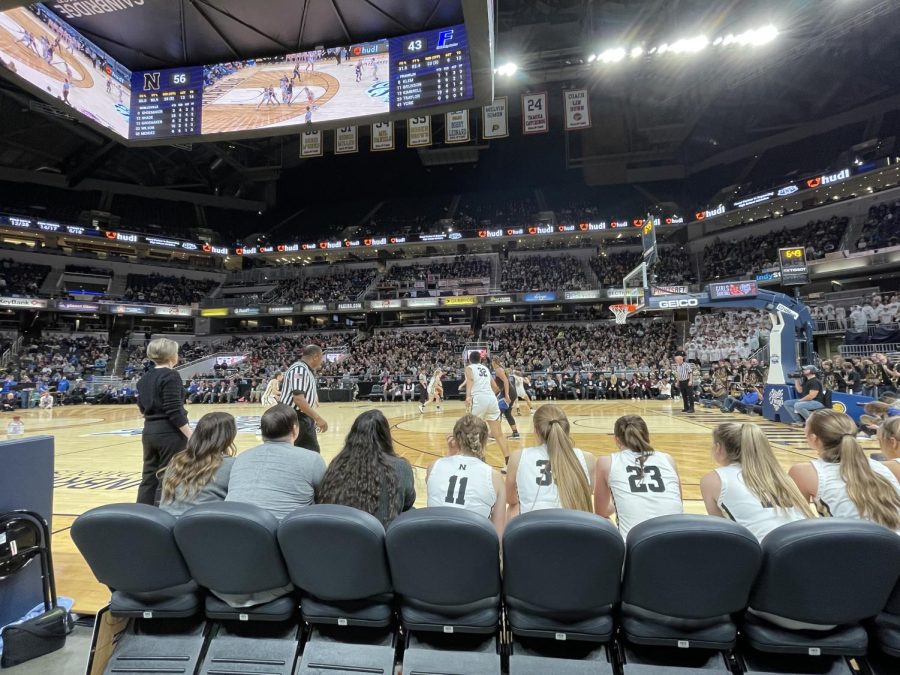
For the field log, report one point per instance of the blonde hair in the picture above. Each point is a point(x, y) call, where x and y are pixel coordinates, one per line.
point(632, 432)
point(471, 434)
point(747, 445)
point(162, 350)
point(874, 496)
point(552, 427)
point(889, 430)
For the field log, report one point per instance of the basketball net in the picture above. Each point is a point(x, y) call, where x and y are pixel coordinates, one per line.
point(622, 311)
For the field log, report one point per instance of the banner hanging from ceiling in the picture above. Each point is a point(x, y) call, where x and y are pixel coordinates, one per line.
point(311, 144)
point(578, 112)
point(495, 119)
point(418, 132)
point(535, 119)
point(346, 140)
point(382, 136)
point(456, 127)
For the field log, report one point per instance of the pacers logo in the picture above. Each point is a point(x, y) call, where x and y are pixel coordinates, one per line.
point(837, 406)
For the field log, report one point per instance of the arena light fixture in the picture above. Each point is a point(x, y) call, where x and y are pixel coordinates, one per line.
point(591, 58)
point(508, 69)
point(613, 55)
point(637, 52)
point(690, 45)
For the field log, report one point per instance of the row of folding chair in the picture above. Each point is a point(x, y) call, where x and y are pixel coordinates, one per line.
point(683, 593)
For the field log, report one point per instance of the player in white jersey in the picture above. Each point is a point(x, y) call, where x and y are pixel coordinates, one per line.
point(889, 440)
point(843, 482)
point(434, 390)
point(749, 486)
point(272, 395)
point(637, 483)
point(553, 475)
point(463, 479)
point(521, 394)
point(481, 399)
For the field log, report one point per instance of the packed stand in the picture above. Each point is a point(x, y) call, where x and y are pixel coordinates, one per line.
point(337, 287)
point(733, 257)
point(159, 289)
point(21, 279)
point(727, 335)
point(882, 227)
point(495, 209)
point(542, 273)
point(674, 266)
point(460, 268)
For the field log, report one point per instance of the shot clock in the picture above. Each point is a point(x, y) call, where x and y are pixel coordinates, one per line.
point(794, 271)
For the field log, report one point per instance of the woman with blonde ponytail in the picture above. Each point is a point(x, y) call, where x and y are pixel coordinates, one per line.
point(637, 483)
point(843, 482)
point(749, 486)
point(889, 440)
point(463, 479)
point(552, 475)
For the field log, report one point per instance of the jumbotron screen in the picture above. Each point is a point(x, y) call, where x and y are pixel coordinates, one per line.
point(332, 85)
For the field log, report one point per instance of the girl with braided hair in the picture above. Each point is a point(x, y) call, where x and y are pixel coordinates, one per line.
point(463, 479)
point(637, 482)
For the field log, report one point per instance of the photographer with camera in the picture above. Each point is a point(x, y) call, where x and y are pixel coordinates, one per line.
point(812, 394)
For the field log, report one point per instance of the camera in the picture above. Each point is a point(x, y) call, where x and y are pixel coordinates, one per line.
point(796, 376)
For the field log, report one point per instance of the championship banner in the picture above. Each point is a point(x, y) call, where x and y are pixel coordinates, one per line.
point(494, 119)
point(578, 112)
point(311, 144)
point(456, 127)
point(418, 132)
point(534, 113)
point(382, 136)
point(346, 140)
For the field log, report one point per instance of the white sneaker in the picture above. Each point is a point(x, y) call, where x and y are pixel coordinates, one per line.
point(439, 408)
point(421, 408)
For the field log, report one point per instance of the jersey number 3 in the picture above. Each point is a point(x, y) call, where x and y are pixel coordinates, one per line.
point(451, 491)
point(546, 476)
point(636, 479)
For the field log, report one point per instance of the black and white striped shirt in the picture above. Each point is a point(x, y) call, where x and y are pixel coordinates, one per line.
point(299, 379)
point(684, 371)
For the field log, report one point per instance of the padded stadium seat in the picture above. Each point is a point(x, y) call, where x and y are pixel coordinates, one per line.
point(335, 555)
point(131, 549)
point(445, 565)
point(685, 576)
point(829, 572)
point(376, 393)
point(542, 603)
point(232, 548)
point(445, 568)
point(887, 624)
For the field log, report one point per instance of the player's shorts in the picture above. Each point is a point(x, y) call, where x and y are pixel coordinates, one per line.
point(520, 391)
point(486, 407)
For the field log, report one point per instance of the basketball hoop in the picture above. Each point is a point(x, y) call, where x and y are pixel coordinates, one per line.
point(622, 311)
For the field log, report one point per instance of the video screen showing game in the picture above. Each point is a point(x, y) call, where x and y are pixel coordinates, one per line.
point(321, 85)
point(49, 54)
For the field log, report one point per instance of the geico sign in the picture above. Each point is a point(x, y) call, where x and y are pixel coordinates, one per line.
point(679, 304)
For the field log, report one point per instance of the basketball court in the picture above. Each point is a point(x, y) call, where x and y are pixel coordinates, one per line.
point(98, 454)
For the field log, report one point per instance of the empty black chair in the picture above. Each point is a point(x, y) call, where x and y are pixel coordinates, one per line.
point(555, 609)
point(887, 624)
point(684, 577)
point(336, 556)
point(131, 549)
point(232, 549)
point(445, 568)
point(820, 579)
point(545, 596)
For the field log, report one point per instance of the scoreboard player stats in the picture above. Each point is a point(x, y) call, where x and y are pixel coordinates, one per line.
point(166, 103)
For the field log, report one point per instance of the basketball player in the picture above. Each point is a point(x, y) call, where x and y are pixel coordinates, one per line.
point(553, 475)
point(521, 392)
point(481, 399)
point(296, 72)
point(311, 62)
point(272, 394)
point(889, 442)
point(749, 486)
point(435, 391)
point(637, 483)
point(109, 85)
point(507, 394)
point(359, 71)
point(463, 479)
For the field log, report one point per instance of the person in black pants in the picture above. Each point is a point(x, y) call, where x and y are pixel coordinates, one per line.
point(166, 427)
point(685, 373)
point(300, 391)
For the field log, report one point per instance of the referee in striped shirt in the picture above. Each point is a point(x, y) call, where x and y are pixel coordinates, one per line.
point(684, 371)
point(298, 390)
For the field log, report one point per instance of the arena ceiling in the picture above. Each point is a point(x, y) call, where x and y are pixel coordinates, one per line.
point(833, 63)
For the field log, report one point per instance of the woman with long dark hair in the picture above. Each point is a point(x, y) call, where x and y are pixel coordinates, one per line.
point(367, 474)
point(199, 473)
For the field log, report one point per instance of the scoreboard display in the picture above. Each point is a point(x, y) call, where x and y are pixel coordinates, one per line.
point(732, 290)
point(794, 270)
point(417, 71)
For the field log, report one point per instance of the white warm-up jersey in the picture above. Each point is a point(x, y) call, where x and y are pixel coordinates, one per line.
point(639, 496)
point(464, 482)
point(745, 508)
point(481, 380)
point(832, 498)
point(431, 385)
point(534, 479)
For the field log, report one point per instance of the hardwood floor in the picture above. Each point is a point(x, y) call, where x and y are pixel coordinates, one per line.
point(98, 454)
